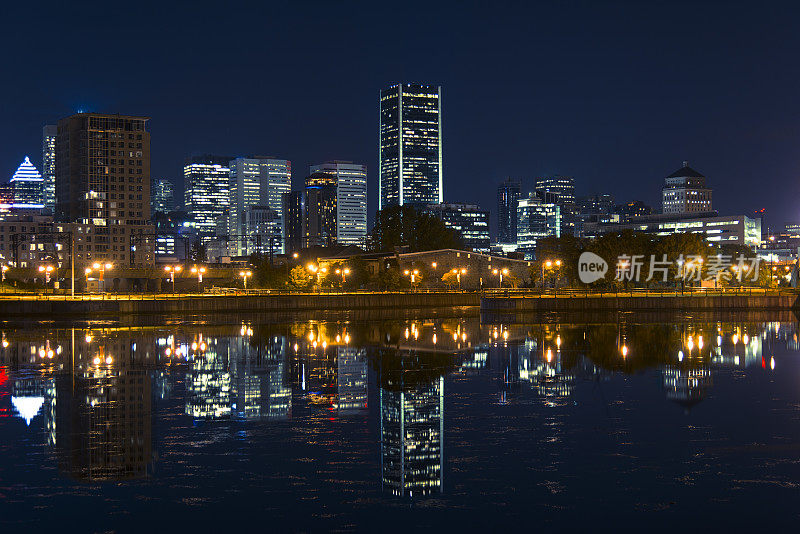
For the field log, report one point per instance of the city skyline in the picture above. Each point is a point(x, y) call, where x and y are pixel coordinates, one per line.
point(595, 120)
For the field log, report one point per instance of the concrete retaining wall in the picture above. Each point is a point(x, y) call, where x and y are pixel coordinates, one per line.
point(239, 303)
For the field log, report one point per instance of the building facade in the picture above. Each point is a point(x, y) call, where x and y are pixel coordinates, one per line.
point(508, 194)
point(319, 216)
point(103, 182)
point(256, 181)
point(351, 200)
point(162, 196)
point(468, 221)
point(560, 190)
point(206, 192)
point(49, 134)
point(536, 219)
point(685, 191)
point(294, 220)
point(410, 145)
point(27, 186)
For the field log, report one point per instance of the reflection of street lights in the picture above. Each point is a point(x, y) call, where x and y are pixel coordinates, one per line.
point(245, 275)
point(199, 272)
point(98, 266)
point(172, 269)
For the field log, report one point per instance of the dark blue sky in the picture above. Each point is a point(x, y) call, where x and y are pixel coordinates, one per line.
point(616, 94)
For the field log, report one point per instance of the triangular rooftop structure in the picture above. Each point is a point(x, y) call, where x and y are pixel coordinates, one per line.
point(26, 172)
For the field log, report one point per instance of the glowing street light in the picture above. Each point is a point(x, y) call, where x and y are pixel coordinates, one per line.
point(199, 272)
point(549, 264)
point(413, 273)
point(344, 272)
point(4, 268)
point(245, 275)
point(172, 269)
point(500, 272)
point(47, 270)
point(458, 273)
point(102, 267)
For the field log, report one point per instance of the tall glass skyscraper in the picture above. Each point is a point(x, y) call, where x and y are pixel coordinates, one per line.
point(508, 194)
point(256, 181)
point(28, 185)
point(49, 133)
point(162, 196)
point(351, 199)
point(206, 192)
point(410, 145)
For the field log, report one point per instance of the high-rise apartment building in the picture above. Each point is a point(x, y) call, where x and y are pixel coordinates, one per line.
point(206, 192)
point(27, 186)
point(685, 191)
point(319, 216)
point(293, 222)
point(410, 145)
point(256, 181)
point(103, 180)
point(350, 180)
point(508, 194)
point(162, 196)
point(468, 221)
point(49, 133)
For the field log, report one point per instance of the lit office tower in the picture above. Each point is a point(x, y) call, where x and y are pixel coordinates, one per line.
point(103, 180)
point(319, 216)
point(27, 185)
point(536, 219)
point(412, 432)
point(685, 191)
point(162, 196)
point(560, 190)
point(351, 199)
point(256, 181)
point(468, 221)
point(49, 133)
point(508, 194)
point(410, 145)
point(206, 195)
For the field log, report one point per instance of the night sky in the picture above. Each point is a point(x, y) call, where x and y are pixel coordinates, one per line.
point(616, 94)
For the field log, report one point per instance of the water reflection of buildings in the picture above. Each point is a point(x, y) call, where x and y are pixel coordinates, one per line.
point(351, 379)
point(412, 433)
point(686, 386)
point(104, 413)
point(542, 368)
point(258, 379)
point(208, 382)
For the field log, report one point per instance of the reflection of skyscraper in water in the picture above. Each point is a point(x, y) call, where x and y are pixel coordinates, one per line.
point(351, 379)
point(32, 396)
point(208, 384)
point(412, 433)
point(104, 414)
point(543, 369)
point(686, 386)
point(258, 382)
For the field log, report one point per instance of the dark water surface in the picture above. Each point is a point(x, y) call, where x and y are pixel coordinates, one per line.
point(397, 425)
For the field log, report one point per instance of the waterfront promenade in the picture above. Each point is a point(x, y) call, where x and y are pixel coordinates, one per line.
point(491, 301)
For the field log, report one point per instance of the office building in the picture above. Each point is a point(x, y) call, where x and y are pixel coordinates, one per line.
point(560, 190)
point(262, 225)
point(351, 199)
point(175, 233)
point(256, 181)
point(206, 192)
point(731, 229)
point(294, 220)
point(536, 219)
point(162, 196)
point(49, 134)
point(468, 221)
point(508, 194)
point(319, 217)
point(410, 145)
point(685, 191)
point(27, 186)
point(631, 210)
point(103, 180)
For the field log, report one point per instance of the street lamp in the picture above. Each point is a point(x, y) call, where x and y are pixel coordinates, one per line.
point(102, 267)
point(245, 275)
point(458, 273)
point(46, 269)
point(413, 273)
point(500, 272)
point(344, 272)
point(549, 264)
point(199, 272)
point(4, 269)
point(172, 269)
